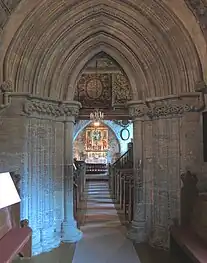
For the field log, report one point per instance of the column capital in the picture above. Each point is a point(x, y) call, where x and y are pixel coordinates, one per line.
point(169, 106)
point(137, 109)
point(51, 109)
point(5, 90)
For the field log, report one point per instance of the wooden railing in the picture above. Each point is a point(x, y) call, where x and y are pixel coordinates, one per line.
point(125, 161)
point(78, 189)
point(121, 183)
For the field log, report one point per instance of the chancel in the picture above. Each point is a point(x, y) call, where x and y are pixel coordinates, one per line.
point(103, 131)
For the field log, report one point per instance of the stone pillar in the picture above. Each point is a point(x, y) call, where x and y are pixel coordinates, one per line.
point(47, 170)
point(191, 151)
point(71, 233)
point(166, 143)
point(138, 228)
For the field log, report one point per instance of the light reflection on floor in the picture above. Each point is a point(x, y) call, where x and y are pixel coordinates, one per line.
point(104, 239)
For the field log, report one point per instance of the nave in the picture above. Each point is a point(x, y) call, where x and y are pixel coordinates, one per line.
point(104, 237)
point(104, 233)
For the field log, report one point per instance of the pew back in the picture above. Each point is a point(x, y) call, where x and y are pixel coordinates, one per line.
point(5, 222)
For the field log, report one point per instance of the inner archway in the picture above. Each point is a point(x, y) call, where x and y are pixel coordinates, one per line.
point(96, 145)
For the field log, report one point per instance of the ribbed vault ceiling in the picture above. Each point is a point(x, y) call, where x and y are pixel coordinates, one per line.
point(57, 38)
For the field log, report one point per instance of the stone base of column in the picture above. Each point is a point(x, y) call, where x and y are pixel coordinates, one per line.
point(36, 242)
point(36, 249)
point(137, 232)
point(160, 237)
point(70, 232)
point(49, 239)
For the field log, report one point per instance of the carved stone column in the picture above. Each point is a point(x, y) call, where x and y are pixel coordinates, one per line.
point(138, 228)
point(48, 179)
point(166, 143)
point(70, 231)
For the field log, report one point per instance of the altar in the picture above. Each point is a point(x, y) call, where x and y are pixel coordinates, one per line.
point(96, 145)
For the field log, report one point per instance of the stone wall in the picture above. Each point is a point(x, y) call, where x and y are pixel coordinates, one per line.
point(12, 136)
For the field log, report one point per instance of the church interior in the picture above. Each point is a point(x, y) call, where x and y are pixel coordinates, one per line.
point(103, 131)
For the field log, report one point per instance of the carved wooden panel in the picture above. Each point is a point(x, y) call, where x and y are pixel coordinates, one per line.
point(121, 89)
point(103, 85)
point(94, 90)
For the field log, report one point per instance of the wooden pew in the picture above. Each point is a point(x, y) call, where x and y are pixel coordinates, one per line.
point(123, 162)
point(14, 240)
point(185, 239)
point(78, 189)
point(122, 184)
point(124, 192)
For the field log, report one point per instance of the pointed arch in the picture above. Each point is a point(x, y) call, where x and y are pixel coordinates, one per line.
point(56, 39)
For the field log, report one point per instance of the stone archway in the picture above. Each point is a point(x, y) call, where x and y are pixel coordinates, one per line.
point(142, 44)
point(114, 146)
point(44, 49)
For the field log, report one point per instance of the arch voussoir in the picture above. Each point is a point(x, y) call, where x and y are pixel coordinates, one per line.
point(155, 52)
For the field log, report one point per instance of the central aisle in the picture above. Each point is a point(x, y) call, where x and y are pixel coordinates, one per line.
point(104, 238)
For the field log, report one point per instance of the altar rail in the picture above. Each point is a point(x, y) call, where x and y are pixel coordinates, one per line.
point(121, 184)
point(96, 168)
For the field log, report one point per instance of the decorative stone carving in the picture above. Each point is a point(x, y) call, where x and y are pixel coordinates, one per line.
point(122, 123)
point(52, 109)
point(171, 106)
point(6, 86)
point(169, 109)
point(121, 91)
point(137, 111)
point(5, 90)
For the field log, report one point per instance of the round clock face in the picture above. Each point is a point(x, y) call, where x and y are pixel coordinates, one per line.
point(94, 88)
